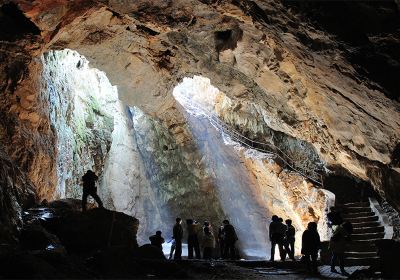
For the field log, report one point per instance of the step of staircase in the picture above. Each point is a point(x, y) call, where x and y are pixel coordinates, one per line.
point(362, 246)
point(361, 261)
point(357, 204)
point(362, 219)
point(366, 224)
point(358, 215)
point(374, 229)
point(361, 254)
point(356, 209)
point(367, 236)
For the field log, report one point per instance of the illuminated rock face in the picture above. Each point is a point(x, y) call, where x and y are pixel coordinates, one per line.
point(314, 96)
point(291, 83)
point(82, 105)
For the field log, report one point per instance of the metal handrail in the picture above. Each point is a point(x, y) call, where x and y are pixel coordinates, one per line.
point(262, 147)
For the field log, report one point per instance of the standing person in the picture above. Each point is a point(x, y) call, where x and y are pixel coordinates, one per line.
point(230, 239)
point(334, 218)
point(193, 228)
point(275, 236)
point(310, 246)
point(208, 243)
point(221, 242)
point(281, 244)
point(177, 236)
point(207, 224)
point(173, 246)
point(89, 188)
point(337, 245)
point(157, 240)
point(290, 239)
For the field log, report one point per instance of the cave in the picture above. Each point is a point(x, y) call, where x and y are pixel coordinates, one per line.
point(210, 111)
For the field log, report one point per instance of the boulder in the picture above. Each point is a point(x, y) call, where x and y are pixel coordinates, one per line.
point(388, 251)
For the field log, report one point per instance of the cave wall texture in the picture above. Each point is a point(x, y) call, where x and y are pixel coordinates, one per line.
point(287, 73)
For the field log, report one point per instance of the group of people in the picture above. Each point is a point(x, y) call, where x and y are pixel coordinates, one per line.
point(226, 239)
point(280, 234)
point(283, 235)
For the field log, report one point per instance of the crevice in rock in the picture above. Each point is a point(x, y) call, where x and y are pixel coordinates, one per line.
point(14, 24)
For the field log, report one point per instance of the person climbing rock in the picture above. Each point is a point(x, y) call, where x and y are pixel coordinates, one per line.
point(289, 239)
point(193, 229)
point(208, 243)
point(277, 232)
point(177, 236)
point(337, 244)
point(157, 240)
point(89, 188)
point(230, 239)
point(310, 245)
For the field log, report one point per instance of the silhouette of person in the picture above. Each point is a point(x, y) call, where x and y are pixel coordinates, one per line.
point(89, 188)
point(337, 245)
point(173, 246)
point(310, 246)
point(221, 242)
point(277, 232)
point(193, 228)
point(290, 239)
point(207, 224)
point(157, 240)
point(177, 236)
point(208, 243)
point(230, 239)
point(334, 218)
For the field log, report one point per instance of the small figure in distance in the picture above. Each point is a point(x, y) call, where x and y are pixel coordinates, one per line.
point(230, 239)
point(337, 245)
point(207, 224)
point(208, 243)
point(221, 242)
point(193, 227)
point(157, 240)
point(290, 239)
point(177, 236)
point(310, 246)
point(89, 188)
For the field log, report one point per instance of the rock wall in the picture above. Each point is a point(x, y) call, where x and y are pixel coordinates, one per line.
point(297, 73)
point(285, 78)
point(16, 193)
point(81, 103)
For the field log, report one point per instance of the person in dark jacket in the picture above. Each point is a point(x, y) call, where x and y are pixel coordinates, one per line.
point(290, 239)
point(157, 240)
point(230, 239)
point(221, 242)
point(208, 243)
point(193, 229)
point(177, 236)
point(337, 245)
point(310, 246)
point(277, 232)
point(89, 188)
point(334, 218)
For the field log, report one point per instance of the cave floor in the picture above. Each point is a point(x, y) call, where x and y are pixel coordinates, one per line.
point(257, 270)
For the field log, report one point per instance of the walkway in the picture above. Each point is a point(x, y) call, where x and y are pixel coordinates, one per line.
point(301, 168)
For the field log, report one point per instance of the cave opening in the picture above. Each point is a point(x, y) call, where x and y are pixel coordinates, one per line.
point(243, 196)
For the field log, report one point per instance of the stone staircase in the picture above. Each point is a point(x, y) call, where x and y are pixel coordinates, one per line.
point(367, 230)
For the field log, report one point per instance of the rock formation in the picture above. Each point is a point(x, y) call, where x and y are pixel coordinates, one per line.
point(283, 76)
